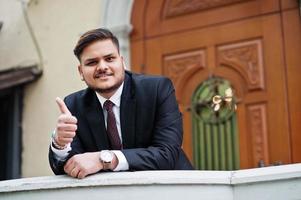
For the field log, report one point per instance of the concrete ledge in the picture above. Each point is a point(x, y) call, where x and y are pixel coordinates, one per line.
point(163, 185)
point(265, 174)
point(119, 178)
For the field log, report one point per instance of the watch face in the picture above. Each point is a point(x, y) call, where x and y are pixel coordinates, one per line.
point(106, 156)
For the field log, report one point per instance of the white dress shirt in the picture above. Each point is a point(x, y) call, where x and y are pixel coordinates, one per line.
point(122, 162)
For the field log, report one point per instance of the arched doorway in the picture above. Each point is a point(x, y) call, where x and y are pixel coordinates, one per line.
point(214, 124)
point(238, 40)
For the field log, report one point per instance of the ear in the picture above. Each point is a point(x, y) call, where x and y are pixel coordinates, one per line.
point(123, 63)
point(79, 68)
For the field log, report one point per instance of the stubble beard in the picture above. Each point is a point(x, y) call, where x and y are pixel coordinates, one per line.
point(108, 90)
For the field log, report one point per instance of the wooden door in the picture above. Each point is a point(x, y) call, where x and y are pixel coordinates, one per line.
point(242, 41)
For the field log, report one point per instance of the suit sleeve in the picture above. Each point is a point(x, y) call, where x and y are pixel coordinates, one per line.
point(167, 133)
point(56, 165)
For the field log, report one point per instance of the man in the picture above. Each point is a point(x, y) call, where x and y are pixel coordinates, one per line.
point(122, 121)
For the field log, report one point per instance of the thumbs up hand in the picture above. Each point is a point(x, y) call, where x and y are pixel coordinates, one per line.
point(66, 125)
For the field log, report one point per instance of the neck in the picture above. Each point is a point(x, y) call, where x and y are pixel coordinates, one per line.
point(106, 95)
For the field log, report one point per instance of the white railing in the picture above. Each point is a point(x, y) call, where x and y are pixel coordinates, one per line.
point(280, 182)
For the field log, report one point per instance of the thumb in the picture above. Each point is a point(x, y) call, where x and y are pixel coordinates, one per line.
point(62, 106)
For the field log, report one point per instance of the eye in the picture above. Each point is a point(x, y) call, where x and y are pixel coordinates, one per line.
point(110, 59)
point(91, 63)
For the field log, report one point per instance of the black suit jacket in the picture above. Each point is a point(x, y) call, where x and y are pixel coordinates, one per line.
point(151, 125)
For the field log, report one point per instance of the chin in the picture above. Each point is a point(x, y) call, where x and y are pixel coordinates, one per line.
point(106, 89)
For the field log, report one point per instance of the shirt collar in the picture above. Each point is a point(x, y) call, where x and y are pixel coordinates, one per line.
point(115, 98)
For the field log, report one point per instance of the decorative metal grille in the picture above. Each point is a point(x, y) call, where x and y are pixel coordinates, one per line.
point(215, 133)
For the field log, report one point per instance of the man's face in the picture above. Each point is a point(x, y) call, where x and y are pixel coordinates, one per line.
point(102, 67)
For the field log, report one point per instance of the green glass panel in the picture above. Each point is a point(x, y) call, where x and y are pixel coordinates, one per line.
point(208, 147)
point(229, 148)
point(215, 147)
point(215, 134)
point(202, 147)
point(235, 139)
point(222, 145)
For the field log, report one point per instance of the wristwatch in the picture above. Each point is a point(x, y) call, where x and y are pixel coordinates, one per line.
point(106, 158)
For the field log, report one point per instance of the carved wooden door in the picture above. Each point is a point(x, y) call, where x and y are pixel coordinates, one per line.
point(241, 41)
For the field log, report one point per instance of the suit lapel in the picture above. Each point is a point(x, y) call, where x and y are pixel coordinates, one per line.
point(95, 118)
point(128, 113)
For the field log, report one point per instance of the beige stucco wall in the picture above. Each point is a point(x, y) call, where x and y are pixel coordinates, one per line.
point(57, 25)
point(17, 48)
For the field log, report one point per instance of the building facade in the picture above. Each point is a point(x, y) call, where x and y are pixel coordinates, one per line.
point(250, 46)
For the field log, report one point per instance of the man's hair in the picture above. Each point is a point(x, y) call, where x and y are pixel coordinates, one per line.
point(92, 36)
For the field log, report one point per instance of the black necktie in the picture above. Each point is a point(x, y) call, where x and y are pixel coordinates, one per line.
point(111, 126)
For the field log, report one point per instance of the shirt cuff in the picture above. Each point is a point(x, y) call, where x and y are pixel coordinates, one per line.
point(61, 154)
point(123, 164)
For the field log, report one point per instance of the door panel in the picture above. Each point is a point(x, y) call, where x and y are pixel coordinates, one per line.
point(246, 42)
point(253, 55)
point(177, 15)
point(292, 41)
point(288, 4)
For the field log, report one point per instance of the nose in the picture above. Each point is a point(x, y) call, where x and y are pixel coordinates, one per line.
point(101, 66)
